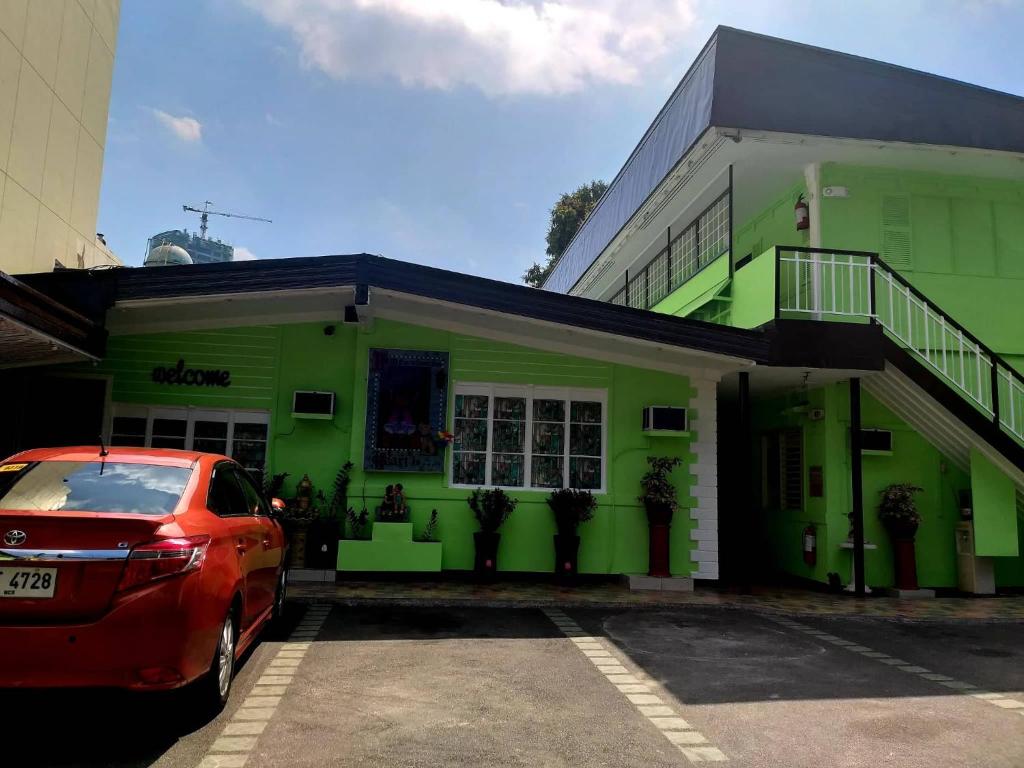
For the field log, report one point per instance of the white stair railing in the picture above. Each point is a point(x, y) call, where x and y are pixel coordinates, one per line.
point(845, 285)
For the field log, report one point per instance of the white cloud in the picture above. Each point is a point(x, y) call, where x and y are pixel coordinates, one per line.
point(498, 46)
point(244, 254)
point(184, 127)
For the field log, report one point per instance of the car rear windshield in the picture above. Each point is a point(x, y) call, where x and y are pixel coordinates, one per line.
point(94, 486)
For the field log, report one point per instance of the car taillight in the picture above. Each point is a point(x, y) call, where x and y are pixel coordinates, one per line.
point(164, 557)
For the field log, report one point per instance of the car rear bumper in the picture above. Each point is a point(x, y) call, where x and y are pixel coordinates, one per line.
point(148, 640)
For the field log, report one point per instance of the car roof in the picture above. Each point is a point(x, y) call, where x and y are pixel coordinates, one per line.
point(166, 457)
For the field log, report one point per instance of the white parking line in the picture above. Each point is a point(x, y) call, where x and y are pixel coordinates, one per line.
point(1000, 700)
point(232, 748)
point(675, 729)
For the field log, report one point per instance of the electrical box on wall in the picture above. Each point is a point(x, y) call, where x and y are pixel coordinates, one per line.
point(307, 404)
point(665, 420)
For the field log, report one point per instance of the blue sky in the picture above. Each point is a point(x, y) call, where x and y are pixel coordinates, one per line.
point(442, 132)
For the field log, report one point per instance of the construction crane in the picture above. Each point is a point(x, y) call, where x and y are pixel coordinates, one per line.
point(205, 213)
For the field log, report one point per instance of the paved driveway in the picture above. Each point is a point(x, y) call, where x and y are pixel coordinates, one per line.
point(383, 686)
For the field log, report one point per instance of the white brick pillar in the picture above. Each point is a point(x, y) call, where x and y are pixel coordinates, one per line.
point(704, 471)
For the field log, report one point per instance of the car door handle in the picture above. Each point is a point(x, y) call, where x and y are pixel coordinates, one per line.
point(267, 542)
point(241, 547)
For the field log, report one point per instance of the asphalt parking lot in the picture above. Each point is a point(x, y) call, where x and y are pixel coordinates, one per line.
point(524, 687)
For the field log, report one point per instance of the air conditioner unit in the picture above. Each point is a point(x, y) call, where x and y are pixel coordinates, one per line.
point(307, 404)
point(876, 441)
point(665, 419)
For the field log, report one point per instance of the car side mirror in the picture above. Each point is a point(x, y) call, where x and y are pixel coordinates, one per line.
point(277, 507)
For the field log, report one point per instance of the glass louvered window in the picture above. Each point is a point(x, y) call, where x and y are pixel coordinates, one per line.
point(528, 437)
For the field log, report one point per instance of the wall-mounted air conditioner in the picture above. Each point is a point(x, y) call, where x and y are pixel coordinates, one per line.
point(665, 420)
point(876, 441)
point(307, 404)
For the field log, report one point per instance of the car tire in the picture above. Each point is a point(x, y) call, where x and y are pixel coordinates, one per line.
point(214, 688)
point(280, 595)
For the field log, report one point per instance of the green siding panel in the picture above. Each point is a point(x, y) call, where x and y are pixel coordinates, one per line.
point(995, 509)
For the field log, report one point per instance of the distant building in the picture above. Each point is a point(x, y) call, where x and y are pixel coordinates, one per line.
point(202, 250)
point(55, 94)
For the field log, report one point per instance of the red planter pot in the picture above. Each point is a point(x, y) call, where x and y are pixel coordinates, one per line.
point(905, 562)
point(659, 523)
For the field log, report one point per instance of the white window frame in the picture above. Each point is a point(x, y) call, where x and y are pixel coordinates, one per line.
point(530, 392)
point(190, 415)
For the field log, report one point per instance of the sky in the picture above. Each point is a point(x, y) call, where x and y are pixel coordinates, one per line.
point(442, 131)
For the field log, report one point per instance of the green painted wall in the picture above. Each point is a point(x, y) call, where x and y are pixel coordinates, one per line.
point(268, 363)
point(995, 509)
point(826, 444)
point(958, 239)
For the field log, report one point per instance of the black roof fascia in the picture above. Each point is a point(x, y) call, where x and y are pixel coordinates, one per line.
point(769, 84)
point(363, 270)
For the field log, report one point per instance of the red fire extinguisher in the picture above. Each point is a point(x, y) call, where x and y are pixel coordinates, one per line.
point(810, 537)
point(802, 211)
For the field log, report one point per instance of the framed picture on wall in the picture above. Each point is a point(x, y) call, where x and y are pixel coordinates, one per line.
point(406, 406)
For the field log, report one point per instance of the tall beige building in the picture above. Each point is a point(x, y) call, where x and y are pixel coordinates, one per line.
point(56, 65)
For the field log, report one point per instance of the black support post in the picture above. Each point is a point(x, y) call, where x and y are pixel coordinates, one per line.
point(746, 481)
point(857, 479)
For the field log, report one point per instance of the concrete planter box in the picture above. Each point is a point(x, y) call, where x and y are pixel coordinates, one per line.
point(391, 548)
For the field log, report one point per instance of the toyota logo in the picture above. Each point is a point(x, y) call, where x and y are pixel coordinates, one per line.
point(15, 537)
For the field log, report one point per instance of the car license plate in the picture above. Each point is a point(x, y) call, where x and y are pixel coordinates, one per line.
point(28, 582)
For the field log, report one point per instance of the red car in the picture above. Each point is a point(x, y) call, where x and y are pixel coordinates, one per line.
point(135, 568)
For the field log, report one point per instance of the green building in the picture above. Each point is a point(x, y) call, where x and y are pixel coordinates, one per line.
point(818, 257)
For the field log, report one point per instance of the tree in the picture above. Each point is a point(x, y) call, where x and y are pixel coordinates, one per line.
point(567, 217)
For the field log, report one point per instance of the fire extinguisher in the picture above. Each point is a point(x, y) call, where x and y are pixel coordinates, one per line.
point(802, 211)
point(810, 537)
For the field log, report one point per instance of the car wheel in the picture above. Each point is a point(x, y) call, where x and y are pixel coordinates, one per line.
point(213, 690)
point(280, 596)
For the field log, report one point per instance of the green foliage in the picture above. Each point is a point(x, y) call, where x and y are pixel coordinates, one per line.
point(571, 507)
point(567, 217)
point(491, 508)
point(897, 510)
point(659, 492)
point(430, 529)
point(358, 524)
point(339, 498)
point(273, 484)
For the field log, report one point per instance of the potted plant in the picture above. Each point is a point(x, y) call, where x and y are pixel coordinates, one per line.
point(571, 507)
point(327, 527)
point(899, 515)
point(491, 509)
point(659, 499)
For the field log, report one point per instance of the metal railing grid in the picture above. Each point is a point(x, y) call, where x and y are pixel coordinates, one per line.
point(702, 242)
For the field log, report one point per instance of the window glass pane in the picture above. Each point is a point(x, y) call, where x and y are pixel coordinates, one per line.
point(549, 410)
point(128, 430)
point(510, 408)
point(469, 468)
point(210, 436)
point(548, 438)
point(226, 497)
point(249, 446)
point(169, 433)
point(470, 435)
point(97, 486)
point(507, 469)
point(509, 436)
point(546, 472)
point(471, 406)
point(585, 440)
point(585, 412)
point(584, 473)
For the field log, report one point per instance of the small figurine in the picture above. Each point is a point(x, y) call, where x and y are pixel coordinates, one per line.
point(304, 492)
point(398, 499)
point(388, 505)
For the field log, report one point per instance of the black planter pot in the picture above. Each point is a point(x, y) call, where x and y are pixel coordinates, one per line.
point(567, 549)
point(322, 544)
point(486, 562)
